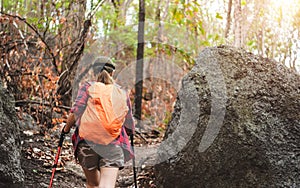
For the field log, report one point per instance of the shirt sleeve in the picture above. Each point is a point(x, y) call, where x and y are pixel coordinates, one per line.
point(129, 122)
point(81, 100)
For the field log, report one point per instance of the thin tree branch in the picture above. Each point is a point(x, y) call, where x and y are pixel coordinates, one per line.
point(92, 13)
point(39, 36)
point(23, 102)
point(28, 74)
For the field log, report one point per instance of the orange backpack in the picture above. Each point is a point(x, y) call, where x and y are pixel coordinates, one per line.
point(105, 113)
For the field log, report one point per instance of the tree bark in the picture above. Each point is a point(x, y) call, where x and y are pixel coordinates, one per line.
point(139, 63)
point(237, 23)
point(67, 77)
point(227, 29)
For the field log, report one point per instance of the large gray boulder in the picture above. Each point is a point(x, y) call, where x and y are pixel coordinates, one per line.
point(11, 174)
point(236, 124)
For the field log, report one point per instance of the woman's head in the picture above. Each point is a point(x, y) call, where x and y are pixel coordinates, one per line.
point(103, 69)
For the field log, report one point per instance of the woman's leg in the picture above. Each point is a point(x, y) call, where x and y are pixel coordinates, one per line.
point(108, 177)
point(92, 178)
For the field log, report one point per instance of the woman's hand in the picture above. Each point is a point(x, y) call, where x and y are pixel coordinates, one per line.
point(65, 129)
point(70, 123)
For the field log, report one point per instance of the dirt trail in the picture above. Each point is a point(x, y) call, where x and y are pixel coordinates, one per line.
point(38, 152)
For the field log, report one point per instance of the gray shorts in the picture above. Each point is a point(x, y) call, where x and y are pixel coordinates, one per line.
point(91, 156)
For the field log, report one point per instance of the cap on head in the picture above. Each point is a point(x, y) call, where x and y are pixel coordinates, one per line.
point(103, 63)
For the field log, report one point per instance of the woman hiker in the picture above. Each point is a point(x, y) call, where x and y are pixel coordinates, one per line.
point(103, 119)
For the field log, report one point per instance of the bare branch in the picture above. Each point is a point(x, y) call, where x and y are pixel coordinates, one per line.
point(92, 13)
point(39, 36)
point(23, 102)
point(27, 74)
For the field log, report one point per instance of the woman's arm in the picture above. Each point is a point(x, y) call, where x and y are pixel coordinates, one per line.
point(78, 107)
point(81, 100)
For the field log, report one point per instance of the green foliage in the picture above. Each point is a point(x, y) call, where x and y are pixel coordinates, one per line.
point(243, 2)
point(177, 29)
point(252, 44)
point(218, 15)
point(168, 117)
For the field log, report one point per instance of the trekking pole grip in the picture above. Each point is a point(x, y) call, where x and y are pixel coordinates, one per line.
point(61, 139)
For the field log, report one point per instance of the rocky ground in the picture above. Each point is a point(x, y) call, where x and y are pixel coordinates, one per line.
point(38, 154)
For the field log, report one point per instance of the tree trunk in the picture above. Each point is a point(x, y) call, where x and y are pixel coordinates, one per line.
point(227, 29)
point(66, 80)
point(140, 62)
point(72, 33)
point(238, 24)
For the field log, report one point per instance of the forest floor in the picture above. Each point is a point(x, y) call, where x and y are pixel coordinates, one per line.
point(39, 151)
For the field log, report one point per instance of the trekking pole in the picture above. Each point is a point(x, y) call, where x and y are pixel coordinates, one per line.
point(61, 139)
point(133, 162)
